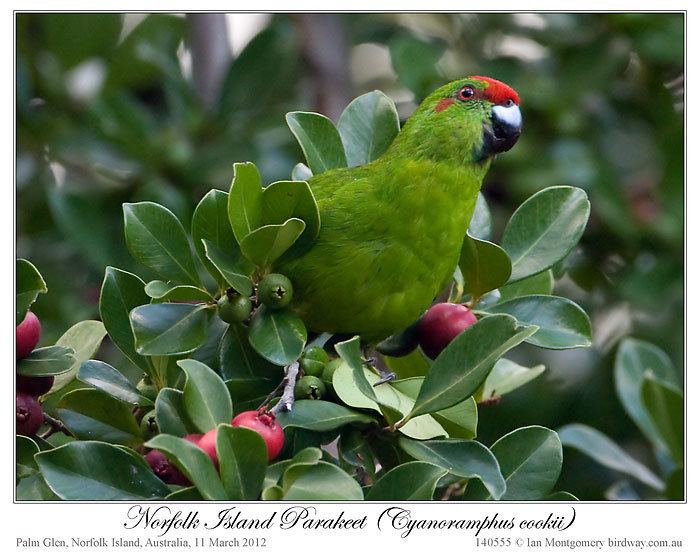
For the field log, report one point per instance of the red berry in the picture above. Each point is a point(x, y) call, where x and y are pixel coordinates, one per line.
point(30, 416)
point(440, 324)
point(34, 385)
point(208, 444)
point(267, 426)
point(164, 469)
point(28, 333)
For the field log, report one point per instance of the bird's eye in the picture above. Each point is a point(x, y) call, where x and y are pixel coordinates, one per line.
point(466, 93)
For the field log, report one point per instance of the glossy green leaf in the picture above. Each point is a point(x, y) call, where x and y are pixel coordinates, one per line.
point(415, 480)
point(164, 292)
point(480, 226)
point(320, 481)
point(243, 461)
point(414, 364)
point(562, 323)
point(111, 381)
point(354, 449)
point(544, 229)
point(484, 265)
point(25, 449)
point(266, 244)
point(605, 451)
point(634, 358)
point(459, 421)
point(34, 488)
point(166, 329)
point(292, 199)
point(561, 496)
point(233, 269)
point(541, 283)
point(191, 461)
point(47, 361)
point(319, 140)
point(321, 416)
point(350, 352)
point(367, 127)
point(664, 404)
point(171, 416)
point(156, 238)
point(388, 400)
point(91, 414)
point(94, 470)
point(530, 459)
point(277, 335)
point(245, 200)
point(240, 361)
point(210, 222)
point(85, 338)
point(462, 458)
point(205, 397)
point(464, 364)
point(29, 285)
point(274, 472)
point(122, 292)
point(506, 376)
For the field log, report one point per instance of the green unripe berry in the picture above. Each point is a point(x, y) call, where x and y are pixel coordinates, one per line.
point(149, 428)
point(147, 389)
point(313, 360)
point(233, 307)
point(329, 370)
point(309, 387)
point(275, 291)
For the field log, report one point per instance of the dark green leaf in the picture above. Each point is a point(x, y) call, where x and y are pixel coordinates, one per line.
point(544, 229)
point(308, 456)
point(321, 416)
point(277, 335)
point(170, 413)
point(484, 265)
point(351, 353)
point(561, 496)
point(85, 339)
point(210, 222)
point(91, 414)
point(319, 140)
point(675, 486)
point(664, 404)
point(114, 383)
point(121, 292)
point(240, 361)
point(34, 488)
point(320, 481)
point(633, 359)
point(605, 451)
point(465, 459)
point(480, 226)
point(243, 458)
point(94, 470)
point(233, 269)
point(367, 127)
point(25, 449)
point(29, 285)
point(541, 283)
point(76, 37)
point(266, 244)
point(292, 199)
point(506, 376)
point(156, 237)
point(463, 366)
point(191, 461)
point(205, 396)
point(47, 361)
point(245, 200)
point(165, 329)
point(415, 480)
point(562, 323)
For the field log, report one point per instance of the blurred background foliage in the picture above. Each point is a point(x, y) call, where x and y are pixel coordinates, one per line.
point(122, 108)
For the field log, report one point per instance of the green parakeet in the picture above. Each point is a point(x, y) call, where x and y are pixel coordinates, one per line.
point(392, 230)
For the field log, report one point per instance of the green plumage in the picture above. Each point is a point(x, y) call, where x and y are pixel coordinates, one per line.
point(392, 230)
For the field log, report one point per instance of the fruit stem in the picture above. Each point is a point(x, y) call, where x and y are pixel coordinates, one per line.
point(290, 380)
point(55, 425)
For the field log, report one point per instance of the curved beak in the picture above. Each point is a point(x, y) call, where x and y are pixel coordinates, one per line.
point(501, 134)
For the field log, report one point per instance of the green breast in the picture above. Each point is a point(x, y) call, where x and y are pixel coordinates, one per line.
point(389, 242)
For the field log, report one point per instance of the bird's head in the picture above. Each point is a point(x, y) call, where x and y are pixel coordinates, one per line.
point(474, 118)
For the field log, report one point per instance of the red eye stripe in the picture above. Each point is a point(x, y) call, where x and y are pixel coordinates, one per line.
point(498, 92)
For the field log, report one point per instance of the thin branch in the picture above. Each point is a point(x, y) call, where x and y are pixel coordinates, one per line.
point(290, 378)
